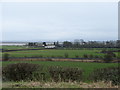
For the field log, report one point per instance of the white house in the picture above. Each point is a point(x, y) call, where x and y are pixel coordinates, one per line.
point(50, 47)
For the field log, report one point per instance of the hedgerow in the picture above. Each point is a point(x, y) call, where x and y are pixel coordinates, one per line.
point(106, 74)
point(65, 74)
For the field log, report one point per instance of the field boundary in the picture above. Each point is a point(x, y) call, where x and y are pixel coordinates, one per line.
point(59, 59)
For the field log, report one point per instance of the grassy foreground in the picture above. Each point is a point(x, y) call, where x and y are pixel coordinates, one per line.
point(87, 67)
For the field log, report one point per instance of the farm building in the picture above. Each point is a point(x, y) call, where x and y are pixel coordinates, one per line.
point(50, 47)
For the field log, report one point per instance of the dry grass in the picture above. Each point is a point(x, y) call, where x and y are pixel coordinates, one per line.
point(57, 85)
point(52, 59)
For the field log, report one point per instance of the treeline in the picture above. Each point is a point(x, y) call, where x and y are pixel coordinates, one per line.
point(91, 44)
point(80, 43)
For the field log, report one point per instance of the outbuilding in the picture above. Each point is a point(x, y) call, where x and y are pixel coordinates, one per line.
point(50, 47)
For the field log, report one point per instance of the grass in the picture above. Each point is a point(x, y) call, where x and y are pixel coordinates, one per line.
point(87, 67)
point(54, 53)
point(72, 53)
point(12, 47)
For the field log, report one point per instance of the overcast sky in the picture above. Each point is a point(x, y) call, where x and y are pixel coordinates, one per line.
point(59, 21)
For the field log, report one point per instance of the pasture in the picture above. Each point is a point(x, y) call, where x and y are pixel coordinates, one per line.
point(54, 53)
point(71, 53)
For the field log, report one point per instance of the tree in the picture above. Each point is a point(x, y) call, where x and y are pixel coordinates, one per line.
point(76, 43)
point(67, 44)
point(57, 44)
point(32, 44)
point(44, 43)
point(118, 44)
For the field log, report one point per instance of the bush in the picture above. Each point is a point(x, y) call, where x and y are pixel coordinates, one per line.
point(66, 55)
point(96, 57)
point(40, 56)
point(76, 56)
point(111, 53)
point(91, 56)
point(85, 56)
point(65, 74)
point(39, 74)
point(5, 57)
point(54, 73)
point(19, 71)
point(106, 74)
point(107, 58)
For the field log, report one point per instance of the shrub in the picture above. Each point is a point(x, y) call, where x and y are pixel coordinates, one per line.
point(85, 56)
point(107, 58)
point(39, 74)
point(111, 53)
point(66, 55)
point(40, 56)
point(106, 74)
point(118, 57)
point(76, 56)
point(54, 73)
point(65, 74)
point(19, 71)
point(91, 56)
point(5, 57)
point(96, 57)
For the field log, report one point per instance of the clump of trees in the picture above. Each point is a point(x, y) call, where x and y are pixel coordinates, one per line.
point(91, 44)
point(32, 44)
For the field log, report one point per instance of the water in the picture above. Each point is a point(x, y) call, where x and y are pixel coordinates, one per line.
point(12, 43)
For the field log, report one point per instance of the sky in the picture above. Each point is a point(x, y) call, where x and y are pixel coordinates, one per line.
point(59, 21)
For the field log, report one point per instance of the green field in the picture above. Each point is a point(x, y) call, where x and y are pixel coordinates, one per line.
point(28, 47)
point(72, 53)
point(87, 67)
point(54, 53)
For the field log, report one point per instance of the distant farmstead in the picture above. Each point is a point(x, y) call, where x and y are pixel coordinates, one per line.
point(50, 47)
